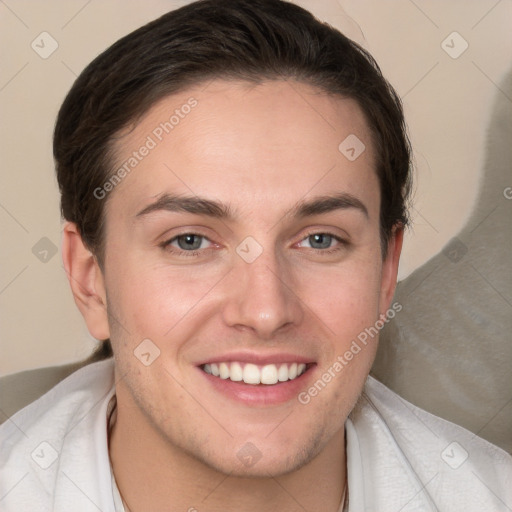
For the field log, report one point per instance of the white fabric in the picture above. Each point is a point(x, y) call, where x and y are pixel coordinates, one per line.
point(396, 455)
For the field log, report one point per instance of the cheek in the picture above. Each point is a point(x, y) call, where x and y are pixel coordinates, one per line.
point(151, 301)
point(344, 298)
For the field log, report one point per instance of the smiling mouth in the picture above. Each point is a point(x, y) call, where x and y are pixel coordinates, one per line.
point(249, 373)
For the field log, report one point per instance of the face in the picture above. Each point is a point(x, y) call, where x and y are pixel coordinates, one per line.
point(243, 247)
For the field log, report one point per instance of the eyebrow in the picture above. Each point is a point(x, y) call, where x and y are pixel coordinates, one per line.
point(214, 209)
point(195, 205)
point(326, 204)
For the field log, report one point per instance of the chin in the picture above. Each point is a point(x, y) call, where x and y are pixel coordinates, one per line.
point(264, 458)
point(275, 466)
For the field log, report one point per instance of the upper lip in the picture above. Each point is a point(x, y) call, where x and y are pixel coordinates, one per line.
point(258, 358)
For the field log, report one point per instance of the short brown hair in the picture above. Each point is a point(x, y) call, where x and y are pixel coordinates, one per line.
point(251, 40)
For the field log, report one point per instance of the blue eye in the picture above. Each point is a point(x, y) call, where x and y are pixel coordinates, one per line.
point(321, 241)
point(188, 242)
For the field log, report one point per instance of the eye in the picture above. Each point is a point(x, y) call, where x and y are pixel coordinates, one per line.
point(188, 242)
point(320, 241)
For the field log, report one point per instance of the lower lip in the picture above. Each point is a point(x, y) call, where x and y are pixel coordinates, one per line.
point(261, 394)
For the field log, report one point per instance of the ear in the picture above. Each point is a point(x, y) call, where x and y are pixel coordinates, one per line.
point(86, 281)
point(390, 268)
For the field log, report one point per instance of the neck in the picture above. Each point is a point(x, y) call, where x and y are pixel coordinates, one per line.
point(152, 474)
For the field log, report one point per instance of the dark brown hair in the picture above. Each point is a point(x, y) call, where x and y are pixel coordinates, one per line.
point(252, 40)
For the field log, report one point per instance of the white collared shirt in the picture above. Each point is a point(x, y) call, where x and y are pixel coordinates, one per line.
point(54, 455)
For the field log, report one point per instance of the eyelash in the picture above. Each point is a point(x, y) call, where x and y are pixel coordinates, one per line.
point(342, 243)
point(173, 250)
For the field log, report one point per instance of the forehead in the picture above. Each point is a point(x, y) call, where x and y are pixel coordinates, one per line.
point(247, 145)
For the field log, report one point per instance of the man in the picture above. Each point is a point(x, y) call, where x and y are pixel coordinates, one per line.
point(234, 180)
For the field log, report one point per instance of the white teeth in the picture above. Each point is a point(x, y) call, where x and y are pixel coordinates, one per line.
point(237, 372)
point(223, 371)
point(269, 374)
point(249, 373)
point(282, 374)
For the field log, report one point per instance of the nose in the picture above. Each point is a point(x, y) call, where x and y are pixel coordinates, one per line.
point(262, 297)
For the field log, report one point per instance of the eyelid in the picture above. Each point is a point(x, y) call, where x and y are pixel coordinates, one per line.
point(168, 240)
point(203, 238)
point(337, 238)
point(166, 243)
point(341, 237)
point(175, 232)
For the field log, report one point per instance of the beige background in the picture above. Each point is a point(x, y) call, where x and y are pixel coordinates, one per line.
point(447, 103)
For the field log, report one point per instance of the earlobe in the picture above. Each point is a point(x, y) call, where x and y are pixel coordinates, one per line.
point(86, 281)
point(390, 267)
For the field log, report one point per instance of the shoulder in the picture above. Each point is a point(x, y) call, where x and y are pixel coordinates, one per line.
point(21, 389)
point(446, 463)
point(63, 401)
point(39, 440)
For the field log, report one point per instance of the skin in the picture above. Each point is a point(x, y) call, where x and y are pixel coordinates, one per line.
point(259, 150)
